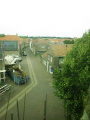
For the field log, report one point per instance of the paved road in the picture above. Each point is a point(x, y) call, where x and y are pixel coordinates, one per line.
point(41, 84)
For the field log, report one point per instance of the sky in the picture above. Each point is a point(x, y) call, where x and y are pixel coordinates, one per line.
point(59, 18)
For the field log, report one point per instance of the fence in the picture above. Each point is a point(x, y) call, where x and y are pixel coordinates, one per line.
point(3, 89)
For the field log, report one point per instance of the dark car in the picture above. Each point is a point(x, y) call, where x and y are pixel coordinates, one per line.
point(24, 53)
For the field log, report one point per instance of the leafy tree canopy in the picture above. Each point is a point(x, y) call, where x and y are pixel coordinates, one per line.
point(23, 36)
point(38, 37)
point(2, 35)
point(69, 42)
point(73, 81)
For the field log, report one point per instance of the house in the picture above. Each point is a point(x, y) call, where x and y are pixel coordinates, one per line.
point(54, 57)
point(39, 46)
point(10, 44)
point(58, 40)
point(2, 65)
point(11, 38)
point(54, 41)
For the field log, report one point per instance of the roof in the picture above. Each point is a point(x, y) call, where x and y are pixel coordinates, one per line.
point(58, 40)
point(27, 40)
point(53, 41)
point(43, 41)
point(40, 41)
point(40, 46)
point(59, 50)
point(45, 55)
point(11, 37)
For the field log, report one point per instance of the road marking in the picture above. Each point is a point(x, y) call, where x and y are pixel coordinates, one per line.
point(20, 95)
point(16, 97)
point(33, 72)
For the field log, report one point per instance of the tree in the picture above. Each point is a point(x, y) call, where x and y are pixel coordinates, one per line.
point(72, 82)
point(69, 42)
point(2, 35)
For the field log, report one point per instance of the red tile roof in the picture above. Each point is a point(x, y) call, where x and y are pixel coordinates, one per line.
point(11, 37)
point(54, 40)
point(45, 55)
point(27, 40)
point(61, 40)
point(59, 50)
point(40, 41)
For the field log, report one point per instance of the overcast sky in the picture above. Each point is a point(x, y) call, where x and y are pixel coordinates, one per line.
point(63, 18)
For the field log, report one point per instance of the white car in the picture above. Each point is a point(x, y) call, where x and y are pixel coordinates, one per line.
point(9, 60)
point(17, 57)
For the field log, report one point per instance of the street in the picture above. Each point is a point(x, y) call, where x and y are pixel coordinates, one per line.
point(36, 91)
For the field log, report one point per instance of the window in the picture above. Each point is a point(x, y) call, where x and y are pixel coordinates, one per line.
point(51, 59)
point(61, 60)
point(8, 43)
point(48, 57)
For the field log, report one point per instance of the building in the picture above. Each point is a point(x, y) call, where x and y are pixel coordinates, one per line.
point(54, 57)
point(2, 65)
point(39, 46)
point(10, 44)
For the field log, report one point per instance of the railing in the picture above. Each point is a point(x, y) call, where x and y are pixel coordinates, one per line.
point(3, 89)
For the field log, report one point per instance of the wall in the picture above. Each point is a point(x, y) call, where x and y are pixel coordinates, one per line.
point(2, 65)
point(56, 62)
point(10, 45)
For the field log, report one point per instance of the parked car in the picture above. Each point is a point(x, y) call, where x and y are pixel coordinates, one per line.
point(24, 53)
point(17, 57)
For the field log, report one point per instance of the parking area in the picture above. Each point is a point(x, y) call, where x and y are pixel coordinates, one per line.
point(14, 88)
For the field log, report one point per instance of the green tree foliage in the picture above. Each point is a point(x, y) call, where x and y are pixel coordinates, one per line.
point(69, 42)
point(23, 36)
point(2, 35)
point(72, 82)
